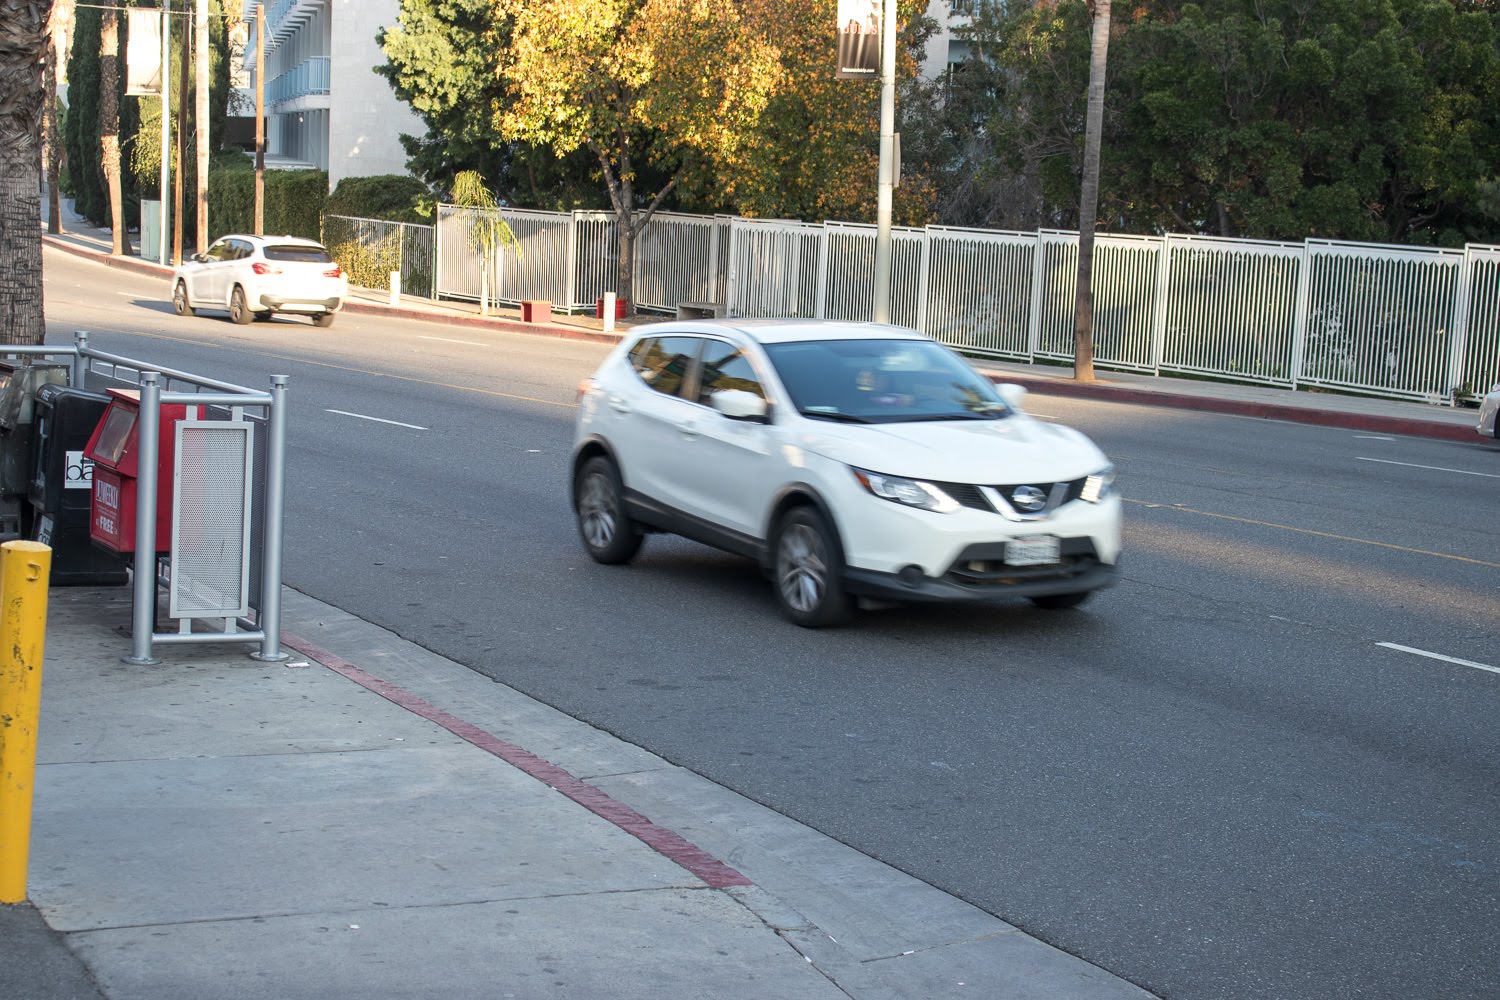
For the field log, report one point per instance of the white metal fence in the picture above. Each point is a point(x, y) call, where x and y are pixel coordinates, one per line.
point(371, 250)
point(1404, 322)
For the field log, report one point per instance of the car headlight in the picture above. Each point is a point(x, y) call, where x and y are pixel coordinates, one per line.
point(1099, 485)
point(910, 492)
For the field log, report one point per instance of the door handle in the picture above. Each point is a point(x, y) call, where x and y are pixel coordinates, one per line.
point(618, 404)
point(689, 428)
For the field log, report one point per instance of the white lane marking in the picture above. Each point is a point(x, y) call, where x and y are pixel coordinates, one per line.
point(1374, 437)
point(1432, 468)
point(378, 420)
point(471, 343)
point(1440, 656)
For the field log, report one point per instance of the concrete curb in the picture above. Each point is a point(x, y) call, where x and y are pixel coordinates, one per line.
point(1407, 426)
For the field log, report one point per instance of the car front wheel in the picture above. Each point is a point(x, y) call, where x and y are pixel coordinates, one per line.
point(239, 311)
point(607, 534)
point(180, 299)
point(808, 571)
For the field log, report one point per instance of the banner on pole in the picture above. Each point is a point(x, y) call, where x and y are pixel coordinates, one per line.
point(859, 40)
point(143, 53)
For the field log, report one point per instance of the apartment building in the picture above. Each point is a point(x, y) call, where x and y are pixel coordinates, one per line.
point(325, 106)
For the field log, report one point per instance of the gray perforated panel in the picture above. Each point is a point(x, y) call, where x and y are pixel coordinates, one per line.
point(211, 520)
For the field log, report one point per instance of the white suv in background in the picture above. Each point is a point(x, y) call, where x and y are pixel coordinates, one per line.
point(848, 459)
point(256, 277)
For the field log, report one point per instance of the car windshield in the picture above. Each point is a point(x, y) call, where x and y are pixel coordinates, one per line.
point(883, 381)
point(297, 254)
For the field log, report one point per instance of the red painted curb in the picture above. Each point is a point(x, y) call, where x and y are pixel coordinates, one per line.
point(1408, 426)
point(715, 873)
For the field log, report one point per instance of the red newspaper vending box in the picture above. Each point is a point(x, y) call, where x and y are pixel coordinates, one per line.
point(115, 452)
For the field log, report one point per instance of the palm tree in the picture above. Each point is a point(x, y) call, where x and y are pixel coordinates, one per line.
point(23, 49)
point(488, 233)
point(1088, 201)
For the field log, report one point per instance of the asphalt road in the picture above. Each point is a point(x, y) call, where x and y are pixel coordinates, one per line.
point(1213, 780)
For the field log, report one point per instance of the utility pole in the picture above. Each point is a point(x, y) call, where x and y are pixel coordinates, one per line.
point(200, 115)
point(182, 115)
point(166, 123)
point(260, 119)
point(887, 180)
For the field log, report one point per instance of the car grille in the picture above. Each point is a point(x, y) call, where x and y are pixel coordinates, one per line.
point(1057, 495)
point(983, 565)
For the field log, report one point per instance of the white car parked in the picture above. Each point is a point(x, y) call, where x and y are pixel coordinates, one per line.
point(256, 277)
point(848, 459)
point(1489, 414)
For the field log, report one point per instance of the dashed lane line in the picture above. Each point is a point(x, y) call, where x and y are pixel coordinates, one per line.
point(1439, 656)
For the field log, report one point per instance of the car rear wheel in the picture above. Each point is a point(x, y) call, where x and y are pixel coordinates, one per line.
point(324, 320)
point(607, 534)
point(239, 311)
point(180, 300)
point(1060, 602)
point(808, 571)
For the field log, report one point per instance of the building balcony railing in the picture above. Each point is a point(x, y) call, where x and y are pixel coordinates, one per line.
point(310, 77)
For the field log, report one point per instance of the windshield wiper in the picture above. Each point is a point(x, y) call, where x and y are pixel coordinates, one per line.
point(846, 418)
point(930, 417)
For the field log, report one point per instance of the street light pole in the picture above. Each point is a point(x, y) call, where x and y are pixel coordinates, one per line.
point(887, 163)
point(166, 125)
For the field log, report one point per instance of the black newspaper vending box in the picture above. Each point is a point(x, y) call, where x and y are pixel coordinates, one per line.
point(62, 486)
point(19, 383)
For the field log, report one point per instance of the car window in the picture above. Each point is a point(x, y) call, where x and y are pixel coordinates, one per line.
point(724, 366)
point(298, 254)
point(663, 362)
point(220, 251)
point(242, 249)
point(883, 381)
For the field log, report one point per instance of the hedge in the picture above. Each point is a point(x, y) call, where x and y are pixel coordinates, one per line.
point(294, 202)
point(390, 197)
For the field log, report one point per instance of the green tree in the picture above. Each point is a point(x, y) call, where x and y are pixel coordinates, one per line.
point(670, 83)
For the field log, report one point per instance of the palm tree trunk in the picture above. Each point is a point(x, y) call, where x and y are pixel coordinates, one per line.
point(52, 140)
point(23, 49)
point(109, 125)
point(1088, 201)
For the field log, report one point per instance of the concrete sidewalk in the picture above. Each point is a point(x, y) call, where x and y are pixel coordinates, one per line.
point(370, 820)
point(1325, 408)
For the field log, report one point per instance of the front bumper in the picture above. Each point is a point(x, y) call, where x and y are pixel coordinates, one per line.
point(980, 574)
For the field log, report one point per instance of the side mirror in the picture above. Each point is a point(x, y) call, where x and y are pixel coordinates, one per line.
point(737, 404)
point(1014, 395)
point(199, 258)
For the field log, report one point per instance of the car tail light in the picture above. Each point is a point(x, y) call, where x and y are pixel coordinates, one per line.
point(260, 268)
point(334, 272)
point(583, 388)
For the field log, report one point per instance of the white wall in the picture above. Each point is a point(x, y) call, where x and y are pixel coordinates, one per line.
point(366, 120)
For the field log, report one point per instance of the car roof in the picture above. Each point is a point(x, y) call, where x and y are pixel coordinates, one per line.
point(273, 240)
point(783, 331)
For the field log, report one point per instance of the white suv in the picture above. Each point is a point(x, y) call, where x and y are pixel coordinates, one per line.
point(848, 459)
point(256, 277)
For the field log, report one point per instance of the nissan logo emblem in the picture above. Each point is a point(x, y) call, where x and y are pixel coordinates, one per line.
point(1028, 498)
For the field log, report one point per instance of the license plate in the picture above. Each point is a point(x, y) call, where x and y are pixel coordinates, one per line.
point(1036, 550)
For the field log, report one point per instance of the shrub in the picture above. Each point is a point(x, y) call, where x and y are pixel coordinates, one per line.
point(390, 197)
point(294, 201)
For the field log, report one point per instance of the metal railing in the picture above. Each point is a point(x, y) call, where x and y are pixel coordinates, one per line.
point(370, 250)
point(159, 386)
point(1395, 321)
point(311, 76)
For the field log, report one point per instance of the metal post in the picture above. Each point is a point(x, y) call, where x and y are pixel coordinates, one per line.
point(143, 610)
point(24, 568)
point(80, 359)
point(166, 125)
point(887, 163)
point(270, 566)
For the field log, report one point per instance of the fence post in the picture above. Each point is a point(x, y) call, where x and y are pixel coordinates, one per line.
point(1159, 305)
point(270, 560)
point(24, 568)
point(1299, 329)
point(143, 600)
point(570, 283)
point(731, 283)
point(1034, 321)
point(80, 359)
point(924, 256)
point(1459, 332)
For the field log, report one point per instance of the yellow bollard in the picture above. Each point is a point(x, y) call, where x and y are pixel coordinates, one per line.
point(24, 568)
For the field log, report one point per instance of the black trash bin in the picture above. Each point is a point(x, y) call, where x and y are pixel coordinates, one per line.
point(19, 383)
point(62, 486)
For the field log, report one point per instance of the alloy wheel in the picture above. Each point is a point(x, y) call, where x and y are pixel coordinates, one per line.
point(802, 568)
point(598, 510)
